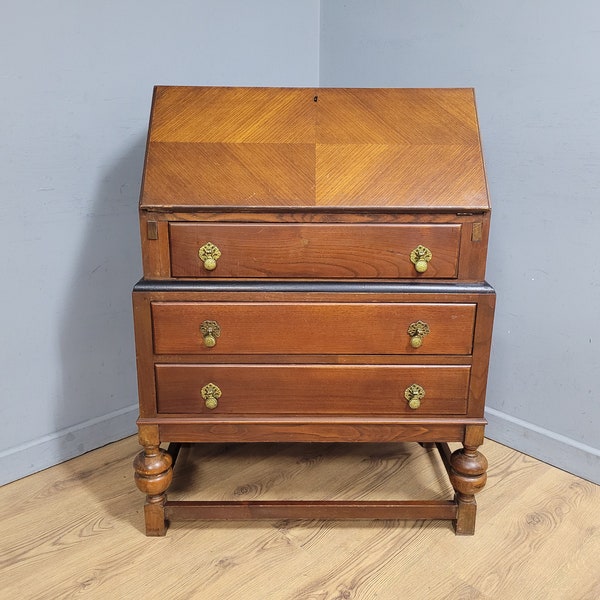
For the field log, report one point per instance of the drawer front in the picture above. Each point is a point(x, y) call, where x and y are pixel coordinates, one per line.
point(313, 250)
point(312, 328)
point(311, 389)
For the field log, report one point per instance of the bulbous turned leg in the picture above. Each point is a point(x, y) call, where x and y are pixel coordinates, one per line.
point(153, 475)
point(468, 475)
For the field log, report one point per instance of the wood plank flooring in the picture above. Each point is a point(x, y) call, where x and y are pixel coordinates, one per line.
point(76, 530)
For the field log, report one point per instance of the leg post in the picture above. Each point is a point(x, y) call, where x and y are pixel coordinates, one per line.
point(153, 475)
point(468, 475)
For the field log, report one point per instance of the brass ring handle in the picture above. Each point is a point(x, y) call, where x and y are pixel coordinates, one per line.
point(211, 394)
point(417, 331)
point(209, 254)
point(414, 394)
point(420, 257)
point(210, 331)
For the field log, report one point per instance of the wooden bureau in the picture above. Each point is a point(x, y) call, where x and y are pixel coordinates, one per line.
point(314, 265)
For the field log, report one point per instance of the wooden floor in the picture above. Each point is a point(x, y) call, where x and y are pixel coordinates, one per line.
point(75, 531)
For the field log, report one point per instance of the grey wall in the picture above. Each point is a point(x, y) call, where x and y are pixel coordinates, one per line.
point(77, 81)
point(535, 68)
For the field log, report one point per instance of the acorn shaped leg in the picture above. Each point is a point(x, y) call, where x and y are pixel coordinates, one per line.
point(468, 475)
point(153, 475)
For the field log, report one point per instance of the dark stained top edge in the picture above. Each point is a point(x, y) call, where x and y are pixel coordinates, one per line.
point(314, 287)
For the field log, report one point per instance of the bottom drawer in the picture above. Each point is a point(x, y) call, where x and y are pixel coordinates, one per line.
point(312, 389)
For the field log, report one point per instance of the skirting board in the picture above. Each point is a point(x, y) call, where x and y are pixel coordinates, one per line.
point(555, 449)
point(58, 447)
point(545, 445)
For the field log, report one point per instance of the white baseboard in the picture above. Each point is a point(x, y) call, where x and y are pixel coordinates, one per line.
point(545, 445)
point(55, 448)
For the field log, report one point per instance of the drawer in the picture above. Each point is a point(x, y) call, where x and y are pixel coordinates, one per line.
point(313, 250)
point(312, 328)
point(311, 389)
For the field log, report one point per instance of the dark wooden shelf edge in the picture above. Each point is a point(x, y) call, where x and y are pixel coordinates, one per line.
point(314, 286)
point(229, 430)
point(311, 509)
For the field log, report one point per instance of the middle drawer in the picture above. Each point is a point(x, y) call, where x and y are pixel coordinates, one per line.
point(312, 328)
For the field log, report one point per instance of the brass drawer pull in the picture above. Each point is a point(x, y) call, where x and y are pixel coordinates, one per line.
point(420, 257)
point(209, 254)
point(210, 331)
point(414, 394)
point(211, 394)
point(417, 331)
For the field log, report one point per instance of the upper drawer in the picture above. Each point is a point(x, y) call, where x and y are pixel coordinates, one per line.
point(312, 328)
point(349, 251)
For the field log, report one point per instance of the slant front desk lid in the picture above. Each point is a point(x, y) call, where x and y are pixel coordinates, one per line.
point(314, 148)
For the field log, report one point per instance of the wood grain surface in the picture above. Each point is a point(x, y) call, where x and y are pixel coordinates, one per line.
point(281, 390)
point(76, 530)
point(313, 327)
point(321, 148)
point(313, 250)
point(376, 254)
